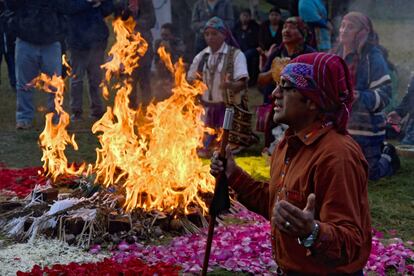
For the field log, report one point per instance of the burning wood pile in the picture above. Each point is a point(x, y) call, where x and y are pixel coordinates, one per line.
point(90, 215)
point(147, 179)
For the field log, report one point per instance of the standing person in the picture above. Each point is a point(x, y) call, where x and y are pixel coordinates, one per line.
point(270, 33)
point(87, 39)
point(38, 29)
point(405, 107)
point(246, 32)
point(314, 14)
point(172, 44)
point(144, 15)
point(181, 19)
point(7, 44)
point(176, 48)
point(359, 47)
point(212, 64)
point(204, 10)
point(317, 198)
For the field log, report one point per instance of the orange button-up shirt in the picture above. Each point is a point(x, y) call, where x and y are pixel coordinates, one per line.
point(331, 165)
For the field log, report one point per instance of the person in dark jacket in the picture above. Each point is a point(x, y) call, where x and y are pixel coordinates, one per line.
point(172, 44)
point(176, 48)
point(38, 28)
point(87, 39)
point(270, 34)
point(405, 107)
point(144, 14)
point(246, 32)
point(7, 45)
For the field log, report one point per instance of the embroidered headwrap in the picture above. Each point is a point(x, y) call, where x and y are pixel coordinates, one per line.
point(218, 24)
point(324, 79)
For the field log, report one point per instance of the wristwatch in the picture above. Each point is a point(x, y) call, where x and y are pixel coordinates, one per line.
point(310, 240)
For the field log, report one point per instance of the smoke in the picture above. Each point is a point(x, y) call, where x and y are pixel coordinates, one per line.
point(394, 22)
point(385, 9)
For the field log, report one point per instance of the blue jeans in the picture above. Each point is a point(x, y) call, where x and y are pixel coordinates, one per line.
point(31, 60)
point(87, 61)
point(372, 148)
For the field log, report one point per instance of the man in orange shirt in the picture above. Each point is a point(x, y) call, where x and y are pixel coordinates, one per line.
point(317, 197)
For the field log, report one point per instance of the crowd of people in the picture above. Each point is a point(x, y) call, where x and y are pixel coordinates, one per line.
point(327, 95)
point(274, 40)
point(230, 54)
point(330, 102)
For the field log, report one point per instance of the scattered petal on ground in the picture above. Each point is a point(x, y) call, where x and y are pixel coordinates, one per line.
point(41, 252)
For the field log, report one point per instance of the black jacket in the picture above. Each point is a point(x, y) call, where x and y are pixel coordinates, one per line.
point(249, 38)
point(265, 37)
point(41, 21)
point(87, 29)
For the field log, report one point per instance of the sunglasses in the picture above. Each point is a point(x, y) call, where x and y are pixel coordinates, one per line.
point(284, 89)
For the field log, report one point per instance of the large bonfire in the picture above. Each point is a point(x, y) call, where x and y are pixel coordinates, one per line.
point(151, 154)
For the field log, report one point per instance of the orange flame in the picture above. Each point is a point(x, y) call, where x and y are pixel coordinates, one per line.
point(125, 53)
point(155, 158)
point(65, 63)
point(54, 138)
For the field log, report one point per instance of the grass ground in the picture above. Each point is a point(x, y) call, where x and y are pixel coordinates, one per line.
point(391, 199)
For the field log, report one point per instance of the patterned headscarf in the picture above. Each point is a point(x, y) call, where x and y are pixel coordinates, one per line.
point(324, 79)
point(218, 24)
point(365, 36)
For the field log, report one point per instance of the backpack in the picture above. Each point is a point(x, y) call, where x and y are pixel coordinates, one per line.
point(38, 23)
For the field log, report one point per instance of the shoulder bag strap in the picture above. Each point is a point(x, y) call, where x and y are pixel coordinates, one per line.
point(229, 94)
point(228, 72)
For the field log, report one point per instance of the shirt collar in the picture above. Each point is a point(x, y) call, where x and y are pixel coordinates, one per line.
point(223, 49)
point(310, 134)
